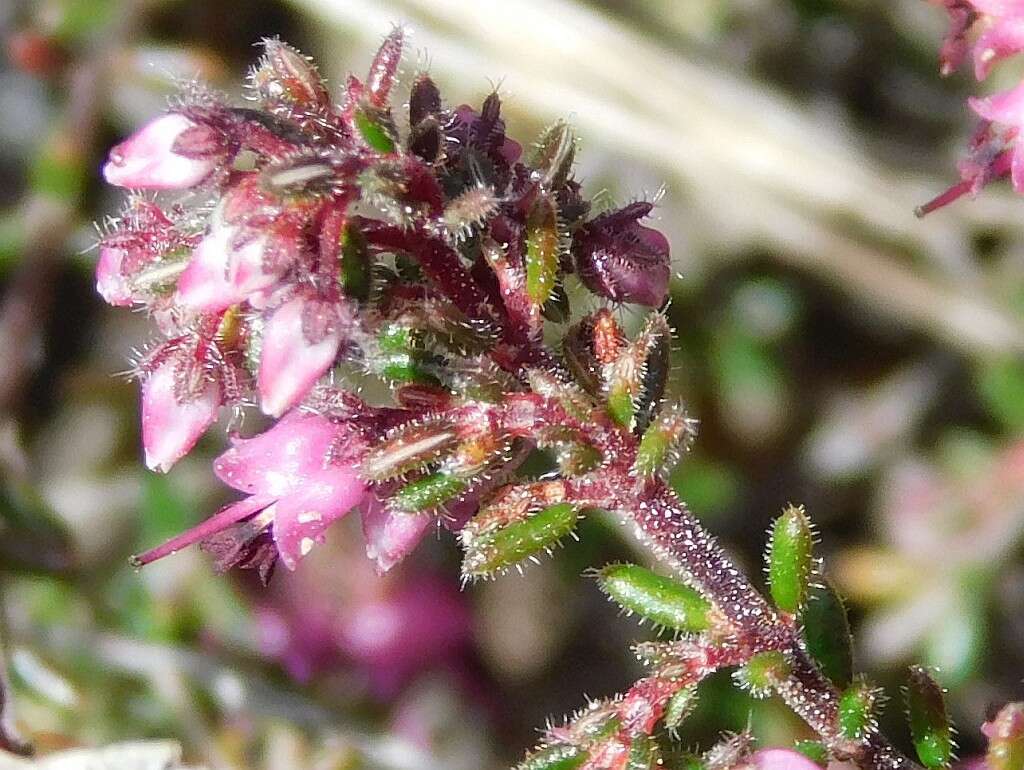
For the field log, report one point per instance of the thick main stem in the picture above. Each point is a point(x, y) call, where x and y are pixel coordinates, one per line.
point(678, 539)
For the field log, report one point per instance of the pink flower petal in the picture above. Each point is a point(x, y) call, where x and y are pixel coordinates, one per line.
point(204, 285)
point(1003, 39)
point(110, 283)
point(170, 428)
point(1006, 107)
point(999, 8)
point(391, 535)
point(301, 517)
point(146, 159)
point(290, 364)
point(279, 460)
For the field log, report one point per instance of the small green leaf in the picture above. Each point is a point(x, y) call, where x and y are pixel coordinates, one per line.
point(816, 751)
point(355, 264)
point(856, 710)
point(644, 754)
point(763, 672)
point(498, 548)
point(373, 129)
point(658, 599)
point(790, 559)
point(560, 757)
point(542, 246)
point(428, 492)
point(663, 442)
point(680, 706)
point(827, 633)
point(929, 722)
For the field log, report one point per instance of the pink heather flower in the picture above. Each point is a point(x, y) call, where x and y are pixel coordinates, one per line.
point(391, 535)
point(300, 479)
point(172, 420)
point(150, 158)
point(300, 343)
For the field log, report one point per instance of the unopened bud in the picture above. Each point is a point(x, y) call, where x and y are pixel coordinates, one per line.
point(428, 493)
point(558, 757)
point(408, 448)
point(286, 77)
point(680, 706)
point(663, 442)
point(554, 154)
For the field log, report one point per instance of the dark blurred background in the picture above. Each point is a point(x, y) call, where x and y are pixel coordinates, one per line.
point(839, 352)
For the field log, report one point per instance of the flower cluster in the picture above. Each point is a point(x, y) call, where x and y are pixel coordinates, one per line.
point(997, 27)
point(298, 243)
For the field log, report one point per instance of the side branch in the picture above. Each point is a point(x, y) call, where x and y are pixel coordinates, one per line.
point(677, 538)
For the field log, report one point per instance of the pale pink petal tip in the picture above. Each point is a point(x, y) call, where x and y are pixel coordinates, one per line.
point(170, 428)
point(390, 535)
point(290, 363)
point(146, 159)
point(110, 283)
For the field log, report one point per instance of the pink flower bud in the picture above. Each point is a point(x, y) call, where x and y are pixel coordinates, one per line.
point(223, 272)
point(110, 282)
point(391, 535)
point(172, 422)
point(150, 158)
point(780, 759)
point(300, 342)
point(621, 260)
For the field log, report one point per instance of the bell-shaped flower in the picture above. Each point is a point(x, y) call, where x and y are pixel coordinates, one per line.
point(298, 481)
point(169, 153)
point(175, 411)
point(620, 259)
point(300, 342)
